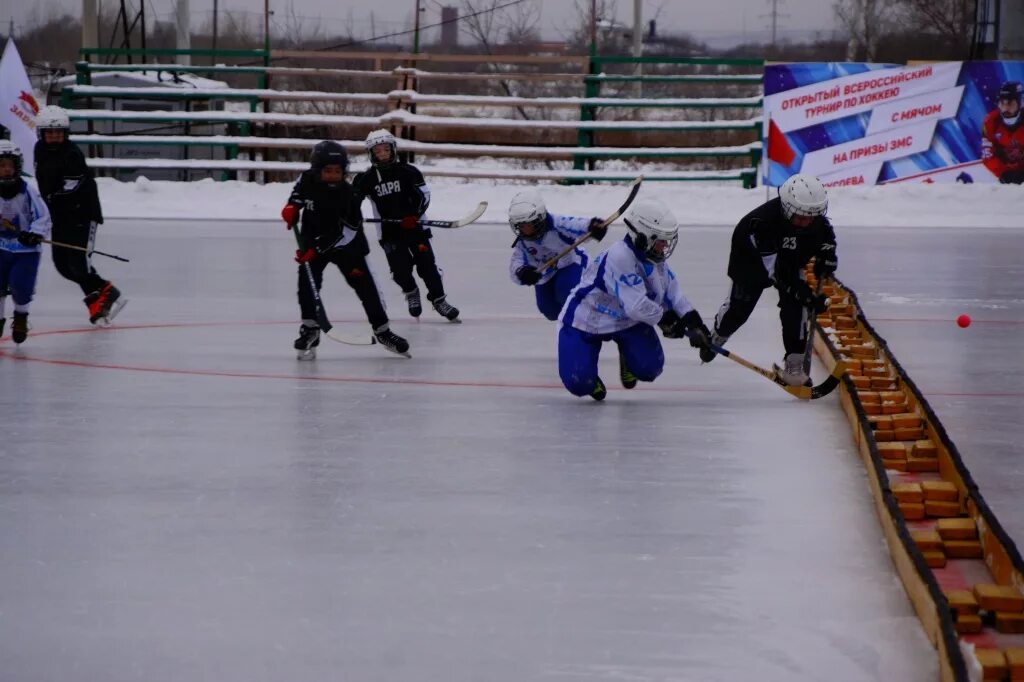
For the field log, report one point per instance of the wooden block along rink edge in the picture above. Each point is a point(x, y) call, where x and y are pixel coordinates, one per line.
point(957, 529)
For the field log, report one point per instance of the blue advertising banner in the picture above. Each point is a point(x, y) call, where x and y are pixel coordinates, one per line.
point(866, 124)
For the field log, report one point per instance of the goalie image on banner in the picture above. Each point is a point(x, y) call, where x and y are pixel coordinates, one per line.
point(867, 124)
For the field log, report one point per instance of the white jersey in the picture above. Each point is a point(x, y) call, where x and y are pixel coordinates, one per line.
point(562, 231)
point(619, 290)
point(24, 212)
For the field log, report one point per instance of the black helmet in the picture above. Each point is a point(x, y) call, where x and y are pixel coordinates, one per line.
point(328, 153)
point(1011, 90)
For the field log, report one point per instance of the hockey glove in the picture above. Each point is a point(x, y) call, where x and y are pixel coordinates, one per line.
point(30, 238)
point(305, 256)
point(826, 261)
point(528, 275)
point(802, 294)
point(672, 326)
point(409, 222)
point(1012, 177)
point(597, 229)
point(696, 330)
point(290, 215)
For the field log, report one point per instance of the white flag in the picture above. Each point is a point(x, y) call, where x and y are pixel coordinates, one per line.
point(18, 106)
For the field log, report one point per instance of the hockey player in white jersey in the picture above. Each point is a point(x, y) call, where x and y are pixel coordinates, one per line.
point(24, 226)
point(624, 293)
point(541, 236)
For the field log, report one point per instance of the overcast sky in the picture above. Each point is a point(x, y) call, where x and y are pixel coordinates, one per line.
point(709, 20)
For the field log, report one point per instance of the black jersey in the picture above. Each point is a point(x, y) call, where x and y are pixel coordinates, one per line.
point(67, 184)
point(766, 246)
point(397, 190)
point(325, 210)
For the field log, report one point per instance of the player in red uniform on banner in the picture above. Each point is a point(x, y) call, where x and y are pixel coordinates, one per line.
point(1002, 143)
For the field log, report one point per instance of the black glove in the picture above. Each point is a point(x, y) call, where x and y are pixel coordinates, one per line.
point(800, 292)
point(700, 335)
point(30, 238)
point(826, 261)
point(597, 228)
point(528, 275)
point(1012, 177)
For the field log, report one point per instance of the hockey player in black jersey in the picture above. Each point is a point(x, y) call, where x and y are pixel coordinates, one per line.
point(770, 247)
point(69, 190)
point(332, 232)
point(400, 197)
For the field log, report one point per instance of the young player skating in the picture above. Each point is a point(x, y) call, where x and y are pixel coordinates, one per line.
point(400, 197)
point(24, 224)
point(770, 247)
point(332, 232)
point(540, 237)
point(69, 189)
point(624, 293)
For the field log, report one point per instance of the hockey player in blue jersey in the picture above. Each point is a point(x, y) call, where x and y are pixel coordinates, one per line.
point(624, 293)
point(24, 224)
point(540, 236)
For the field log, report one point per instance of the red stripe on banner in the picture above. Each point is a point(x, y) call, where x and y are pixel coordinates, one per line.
point(779, 149)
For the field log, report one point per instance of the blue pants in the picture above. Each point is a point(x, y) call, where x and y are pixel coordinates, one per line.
point(578, 352)
point(552, 294)
point(18, 274)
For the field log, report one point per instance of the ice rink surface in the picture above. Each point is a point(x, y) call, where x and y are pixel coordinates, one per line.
point(180, 499)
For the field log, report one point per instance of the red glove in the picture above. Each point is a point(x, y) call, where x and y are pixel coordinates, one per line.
point(290, 214)
point(409, 222)
point(305, 256)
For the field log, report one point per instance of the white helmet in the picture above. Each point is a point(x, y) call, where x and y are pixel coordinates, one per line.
point(52, 118)
point(804, 195)
point(651, 222)
point(527, 209)
point(9, 150)
point(377, 137)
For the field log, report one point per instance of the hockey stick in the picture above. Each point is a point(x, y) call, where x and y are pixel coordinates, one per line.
point(321, 314)
point(470, 217)
point(88, 251)
point(801, 392)
point(634, 188)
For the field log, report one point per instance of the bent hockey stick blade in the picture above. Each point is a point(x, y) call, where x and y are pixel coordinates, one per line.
point(470, 217)
point(801, 392)
point(634, 188)
point(351, 339)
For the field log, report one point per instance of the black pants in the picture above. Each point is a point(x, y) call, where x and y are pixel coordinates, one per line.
point(351, 260)
point(741, 302)
point(406, 250)
point(73, 264)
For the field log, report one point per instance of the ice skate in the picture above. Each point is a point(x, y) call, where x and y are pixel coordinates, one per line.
point(19, 328)
point(391, 341)
point(305, 345)
point(446, 309)
point(627, 377)
point(793, 373)
point(412, 299)
point(3, 321)
point(105, 304)
point(600, 392)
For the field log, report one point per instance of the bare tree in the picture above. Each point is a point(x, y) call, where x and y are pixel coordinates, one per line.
point(952, 21)
point(864, 22)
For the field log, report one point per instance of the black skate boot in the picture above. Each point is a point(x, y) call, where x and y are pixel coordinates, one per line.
point(446, 309)
point(309, 339)
point(392, 341)
point(599, 391)
point(412, 299)
point(627, 377)
point(106, 306)
point(3, 321)
point(19, 328)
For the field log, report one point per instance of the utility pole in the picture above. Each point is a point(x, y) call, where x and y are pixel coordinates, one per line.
point(638, 45)
point(266, 25)
point(90, 25)
point(182, 35)
point(416, 30)
point(213, 57)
